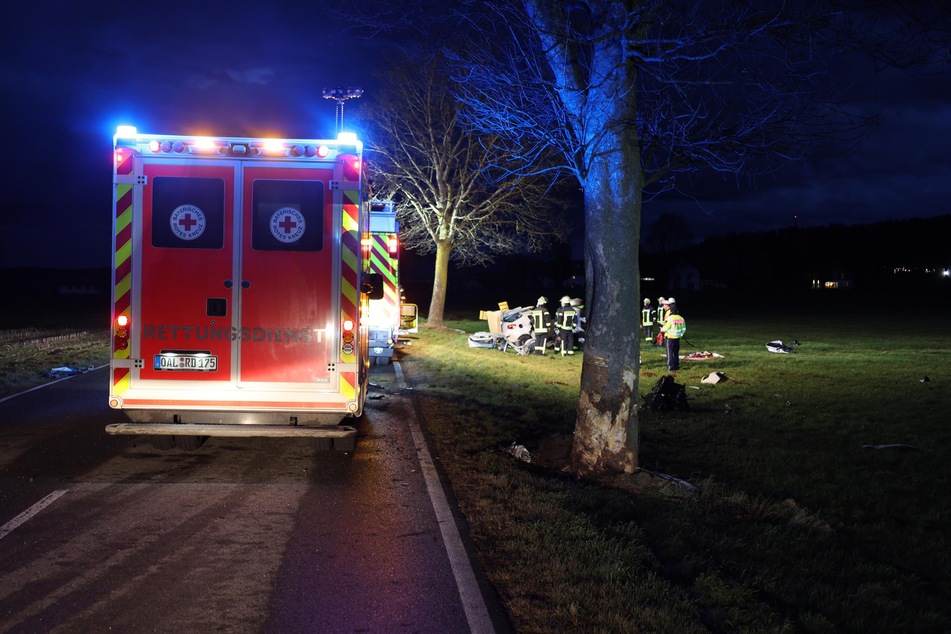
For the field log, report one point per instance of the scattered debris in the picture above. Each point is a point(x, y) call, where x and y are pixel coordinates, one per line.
point(901, 446)
point(374, 397)
point(519, 452)
point(693, 387)
point(780, 347)
point(702, 355)
point(673, 479)
point(714, 377)
point(63, 372)
point(925, 379)
point(667, 395)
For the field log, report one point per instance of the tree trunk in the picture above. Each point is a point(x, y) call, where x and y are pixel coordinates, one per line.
point(437, 304)
point(606, 430)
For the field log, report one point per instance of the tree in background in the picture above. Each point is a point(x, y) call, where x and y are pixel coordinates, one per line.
point(454, 196)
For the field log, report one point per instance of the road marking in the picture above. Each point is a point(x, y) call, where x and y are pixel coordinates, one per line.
point(472, 602)
point(30, 512)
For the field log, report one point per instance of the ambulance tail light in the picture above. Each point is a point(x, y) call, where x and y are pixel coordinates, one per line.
point(347, 337)
point(392, 245)
point(121, 340)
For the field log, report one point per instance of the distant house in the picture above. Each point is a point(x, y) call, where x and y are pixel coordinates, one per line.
point(683, 277)
point(836, 281)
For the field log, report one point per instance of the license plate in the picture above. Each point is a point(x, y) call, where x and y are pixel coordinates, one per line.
point(193, 362)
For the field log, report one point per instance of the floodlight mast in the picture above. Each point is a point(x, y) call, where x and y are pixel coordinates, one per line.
point(340, 95)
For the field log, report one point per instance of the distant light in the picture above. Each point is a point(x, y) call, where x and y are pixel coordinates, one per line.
point(945, 273)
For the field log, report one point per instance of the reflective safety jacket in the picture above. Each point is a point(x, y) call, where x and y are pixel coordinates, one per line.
point(647, 316)
point(541, 319)
point(566, 318)
point(674, 327)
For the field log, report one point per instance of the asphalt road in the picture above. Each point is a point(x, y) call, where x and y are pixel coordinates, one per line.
point(104, 533)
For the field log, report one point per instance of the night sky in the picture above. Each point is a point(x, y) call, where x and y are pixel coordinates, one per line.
point(71, 75)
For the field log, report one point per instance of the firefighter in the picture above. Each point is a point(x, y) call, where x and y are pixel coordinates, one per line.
point(674, 328)
point(566, 318)
point(661, 318)
point(580, 321)
point(541, 324)
point(648, 315)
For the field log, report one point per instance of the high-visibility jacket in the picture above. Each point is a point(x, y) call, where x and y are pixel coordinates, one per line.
point(541, 319)
point(566, 318)
point(674, 327)
point(647, 316)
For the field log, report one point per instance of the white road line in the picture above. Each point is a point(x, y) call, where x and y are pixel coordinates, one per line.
point(7, 528)
point(472, 602)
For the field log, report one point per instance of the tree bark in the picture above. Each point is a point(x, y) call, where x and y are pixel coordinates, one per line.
point(606, 430)
point(437, 303)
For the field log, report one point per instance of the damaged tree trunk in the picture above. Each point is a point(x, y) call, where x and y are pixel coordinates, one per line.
point(606, 430)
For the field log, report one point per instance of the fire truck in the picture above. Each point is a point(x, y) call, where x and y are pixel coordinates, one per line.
point(387, 313)
point(240, 288)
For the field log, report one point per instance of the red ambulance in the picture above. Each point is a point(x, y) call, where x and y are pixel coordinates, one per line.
point(239, 288)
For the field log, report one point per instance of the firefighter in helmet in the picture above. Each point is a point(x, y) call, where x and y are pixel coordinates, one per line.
point(648, 315)
point(541, 324)
point(566, 319)
point(580, 321)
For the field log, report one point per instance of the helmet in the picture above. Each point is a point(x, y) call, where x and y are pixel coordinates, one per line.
point(647, 302)
point(541, 301)
point(576, 302)
point(671, 300)
point(565, 300)
point(661, 300)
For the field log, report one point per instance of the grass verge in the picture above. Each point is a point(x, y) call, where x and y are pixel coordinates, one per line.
point(27, 355)
point(802, 518)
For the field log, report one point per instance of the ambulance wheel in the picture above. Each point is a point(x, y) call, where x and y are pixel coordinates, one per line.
point(335, 444)
point(345, 444)
point(161, 442)
point(190, 443)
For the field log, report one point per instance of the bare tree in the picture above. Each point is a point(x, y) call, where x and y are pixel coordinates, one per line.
point(632, 94)
point(453, 193)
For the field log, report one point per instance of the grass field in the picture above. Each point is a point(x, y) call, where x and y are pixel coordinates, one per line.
point(819, 497)
point(802, 518)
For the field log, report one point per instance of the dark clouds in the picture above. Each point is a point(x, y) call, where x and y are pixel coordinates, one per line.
point(72, 73)
point(900, 168)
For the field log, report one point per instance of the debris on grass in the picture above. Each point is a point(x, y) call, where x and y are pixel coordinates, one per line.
point(519, 452)
point(714, 377)
point(901, 446)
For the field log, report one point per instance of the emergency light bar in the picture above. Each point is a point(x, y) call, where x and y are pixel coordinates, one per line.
point(347, 142)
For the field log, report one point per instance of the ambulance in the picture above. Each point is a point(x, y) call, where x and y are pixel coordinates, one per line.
point(388, 313)
point(240, 288)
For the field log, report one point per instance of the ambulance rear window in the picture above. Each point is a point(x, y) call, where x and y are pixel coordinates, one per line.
point(288, 215)
point(188, 213)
